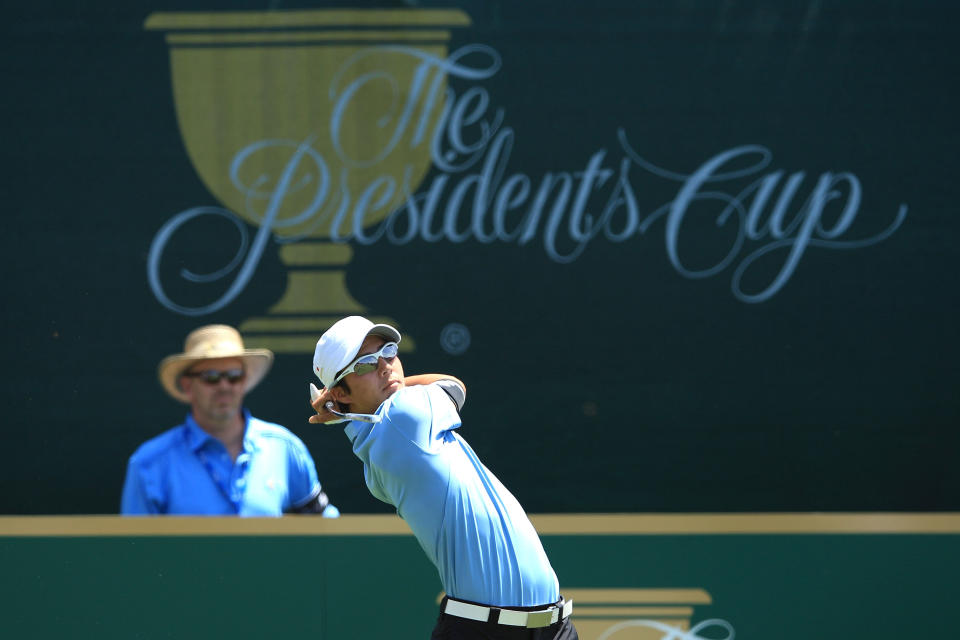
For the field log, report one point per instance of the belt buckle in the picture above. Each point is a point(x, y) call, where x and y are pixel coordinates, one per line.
point(537, 619)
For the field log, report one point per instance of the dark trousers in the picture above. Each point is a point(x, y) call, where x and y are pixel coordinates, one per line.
point(454, 628)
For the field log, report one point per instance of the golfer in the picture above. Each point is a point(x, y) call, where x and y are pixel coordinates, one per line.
point(498, 581)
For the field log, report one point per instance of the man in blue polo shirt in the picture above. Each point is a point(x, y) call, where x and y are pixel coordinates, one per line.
point(498, 580)
point(221, 460)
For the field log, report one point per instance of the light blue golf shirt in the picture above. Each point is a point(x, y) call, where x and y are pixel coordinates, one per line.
point(470, 526)
point(186, 471)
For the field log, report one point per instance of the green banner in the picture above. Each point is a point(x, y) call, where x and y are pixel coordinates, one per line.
point(686, 256)
point(788, 577)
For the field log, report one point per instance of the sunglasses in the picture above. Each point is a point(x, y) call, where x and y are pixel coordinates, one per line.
point(212, 376)
point(365, 364)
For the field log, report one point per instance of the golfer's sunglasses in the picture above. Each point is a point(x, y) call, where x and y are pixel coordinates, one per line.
point(366, 364)
point(212, 376)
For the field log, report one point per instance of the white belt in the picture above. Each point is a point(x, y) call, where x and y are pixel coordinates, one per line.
point(529, 619)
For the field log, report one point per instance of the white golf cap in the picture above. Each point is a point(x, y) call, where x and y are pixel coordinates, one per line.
point(339, 344)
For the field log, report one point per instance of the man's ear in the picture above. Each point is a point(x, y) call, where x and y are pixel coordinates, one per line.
point(185, 383)
point(340, 394)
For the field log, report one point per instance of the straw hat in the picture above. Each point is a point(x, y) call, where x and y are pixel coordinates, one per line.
point(207, 343)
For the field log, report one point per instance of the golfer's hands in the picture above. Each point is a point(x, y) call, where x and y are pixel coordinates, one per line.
point(318, 400)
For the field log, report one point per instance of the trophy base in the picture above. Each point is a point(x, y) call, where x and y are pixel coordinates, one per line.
point(299, 334)
point(313, 301)
point(634, 614)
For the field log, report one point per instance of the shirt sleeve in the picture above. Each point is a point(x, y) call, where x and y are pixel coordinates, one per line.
point(134, 500)
point(424, 414)
point(302, 479)
point(456, 392)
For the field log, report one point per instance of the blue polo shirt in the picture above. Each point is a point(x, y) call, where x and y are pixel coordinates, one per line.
point(186, 471)
point(470, 526)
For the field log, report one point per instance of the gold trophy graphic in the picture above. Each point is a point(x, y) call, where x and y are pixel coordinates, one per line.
point(313, 125)
point(636, 614)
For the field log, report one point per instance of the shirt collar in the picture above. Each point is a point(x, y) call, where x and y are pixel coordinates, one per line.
point(197, 438)
point(354, 428)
